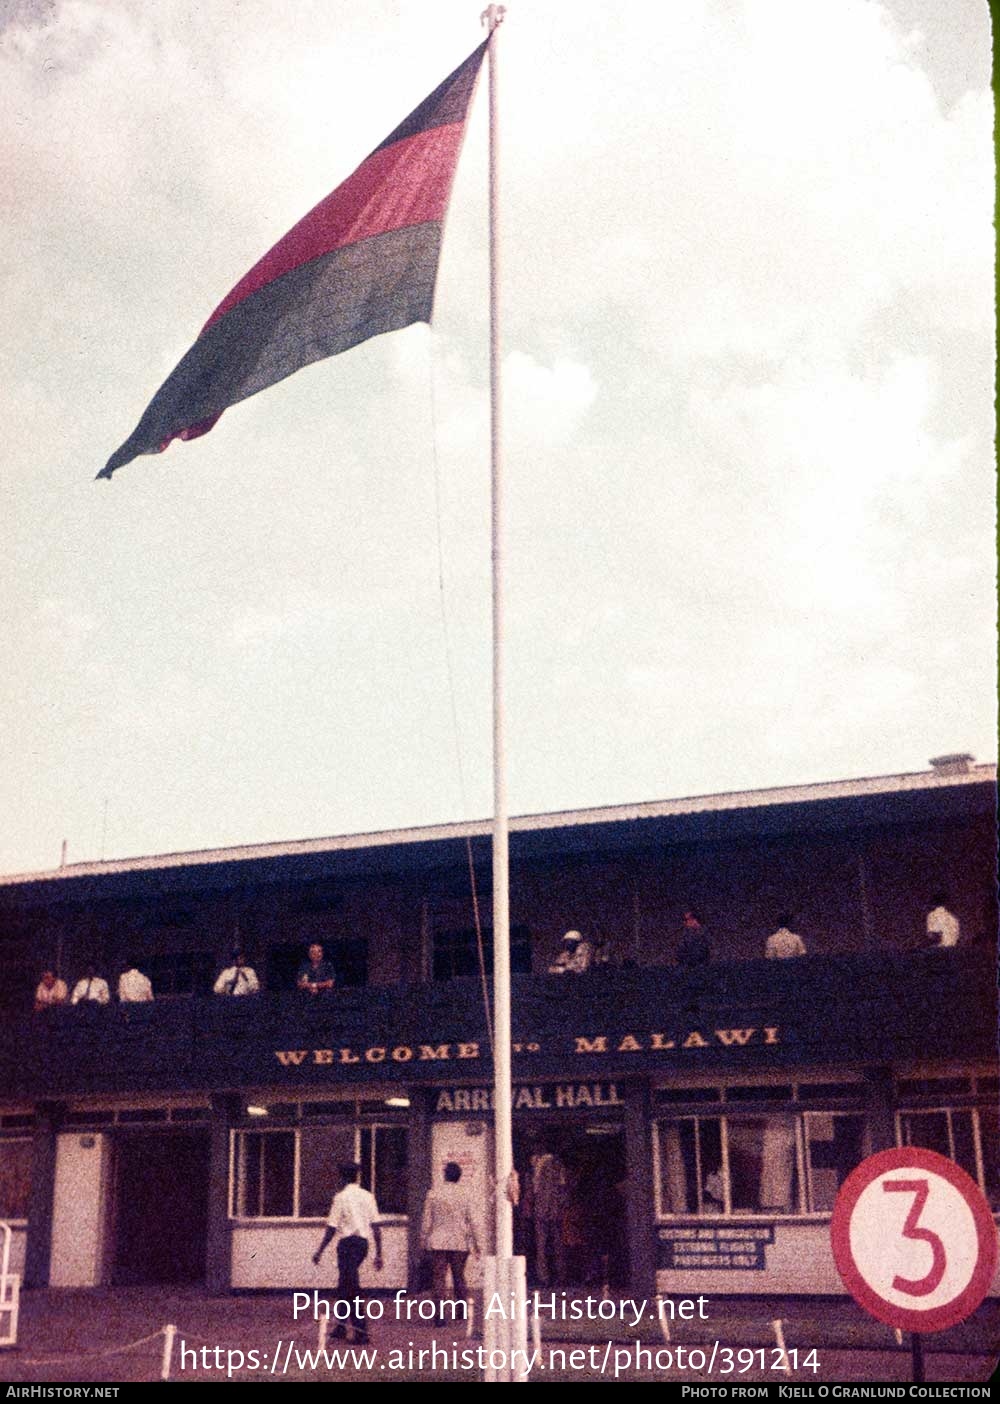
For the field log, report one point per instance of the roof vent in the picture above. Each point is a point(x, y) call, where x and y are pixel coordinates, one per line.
point(958, 764)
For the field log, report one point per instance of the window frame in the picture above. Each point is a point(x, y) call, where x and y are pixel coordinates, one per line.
point(741, 1216)
point(724, 1112)
point(237, 1165)
point(948, 1110)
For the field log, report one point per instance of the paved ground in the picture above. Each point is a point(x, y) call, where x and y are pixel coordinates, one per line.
point(117, 1335)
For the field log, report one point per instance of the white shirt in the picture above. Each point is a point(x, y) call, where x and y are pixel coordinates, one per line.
point(134, 987)
point(573, 960)
point(448, 1224)
point(353, 1212)
point(784, 943)
point(941, 923)
point(93, 991)
point(237, 980)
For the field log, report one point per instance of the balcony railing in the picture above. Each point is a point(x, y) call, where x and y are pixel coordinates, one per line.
point(938, 1004)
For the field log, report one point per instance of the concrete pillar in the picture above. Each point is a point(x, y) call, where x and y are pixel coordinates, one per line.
point(38, 1250)
point(880, 1103)
point(640, 1204)
point(218, 1237)
point(419, 1179)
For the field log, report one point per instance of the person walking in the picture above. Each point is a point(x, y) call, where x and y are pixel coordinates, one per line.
point(354, 1215)
point(447, 1232)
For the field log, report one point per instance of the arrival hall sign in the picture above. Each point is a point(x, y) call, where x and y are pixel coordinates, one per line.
point(558, 1096)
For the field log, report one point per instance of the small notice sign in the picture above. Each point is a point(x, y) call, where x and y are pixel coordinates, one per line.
point(715, 1248)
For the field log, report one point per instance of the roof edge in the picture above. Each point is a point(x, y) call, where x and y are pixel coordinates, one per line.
point(723, 802)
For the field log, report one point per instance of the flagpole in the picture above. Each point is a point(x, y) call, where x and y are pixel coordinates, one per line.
point(503, 1119)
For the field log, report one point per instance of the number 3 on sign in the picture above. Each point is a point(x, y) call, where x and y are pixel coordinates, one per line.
point(913, 1239)
point(924, 1286)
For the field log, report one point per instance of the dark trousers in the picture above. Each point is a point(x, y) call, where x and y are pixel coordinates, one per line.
point(351, 1253)
point(550, 1256)
point(441, 1260)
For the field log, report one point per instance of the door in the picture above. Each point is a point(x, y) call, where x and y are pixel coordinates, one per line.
point(161, 1204)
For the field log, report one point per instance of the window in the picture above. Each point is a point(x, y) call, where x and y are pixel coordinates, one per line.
point(949, 1132)
point(292, 1174)
point(456, 953)
point(836, 1142)
point(384, 1166)
point(321, 1150)
point(969, 1136)
point(266, 1175)
point(180, 973)
point(15, 1179)
point(691, 1165)
point(763, 1174)
point(989, 1139)
point(733, 1165)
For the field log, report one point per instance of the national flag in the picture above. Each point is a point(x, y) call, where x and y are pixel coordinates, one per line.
point(363, 262)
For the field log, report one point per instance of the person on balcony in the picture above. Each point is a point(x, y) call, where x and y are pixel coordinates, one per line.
point(575, 956)
point(693, 948)
point(50, 992)
point(942, 925)
point(91, 989)
point(237, 979)
point(316, 975)
point(605, 951)
point(783, 944)
point(133, 986)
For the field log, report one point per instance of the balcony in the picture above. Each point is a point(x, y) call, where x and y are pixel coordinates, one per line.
point(873, 1009)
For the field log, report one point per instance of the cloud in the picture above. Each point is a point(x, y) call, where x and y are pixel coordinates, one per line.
point(747, 340)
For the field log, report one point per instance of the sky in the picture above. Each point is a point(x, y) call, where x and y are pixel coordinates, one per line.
point(748, 347)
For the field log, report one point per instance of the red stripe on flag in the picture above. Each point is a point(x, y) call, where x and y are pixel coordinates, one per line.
point(399, 185)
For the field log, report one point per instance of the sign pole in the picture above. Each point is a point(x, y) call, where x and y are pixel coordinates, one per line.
point(917, 1345)
point(502, 1334)
point(503, 1123)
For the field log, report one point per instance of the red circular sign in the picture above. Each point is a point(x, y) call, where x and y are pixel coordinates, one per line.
point(913, 1239)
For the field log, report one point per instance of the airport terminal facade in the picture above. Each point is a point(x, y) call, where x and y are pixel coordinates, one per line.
point(705, 1115)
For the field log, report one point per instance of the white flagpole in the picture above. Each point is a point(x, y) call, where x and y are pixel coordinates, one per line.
point(503, 1123)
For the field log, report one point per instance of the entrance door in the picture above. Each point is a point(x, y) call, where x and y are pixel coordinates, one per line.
point(161, 1207)
point(588, 1246)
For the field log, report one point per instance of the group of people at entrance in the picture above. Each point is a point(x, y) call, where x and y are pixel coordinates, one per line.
point(570, 1220)
point(575, 1217)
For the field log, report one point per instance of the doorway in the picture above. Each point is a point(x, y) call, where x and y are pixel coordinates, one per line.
point(161, 1208)
point(571, 1222)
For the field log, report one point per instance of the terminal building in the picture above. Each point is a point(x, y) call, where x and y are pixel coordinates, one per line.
point(705, 1114)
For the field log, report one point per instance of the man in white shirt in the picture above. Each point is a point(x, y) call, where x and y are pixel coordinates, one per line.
point(238, 978)
point(133, 986)
point(942, 924)
point(354, 1215)
point(91, 989)
point(784, 943)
